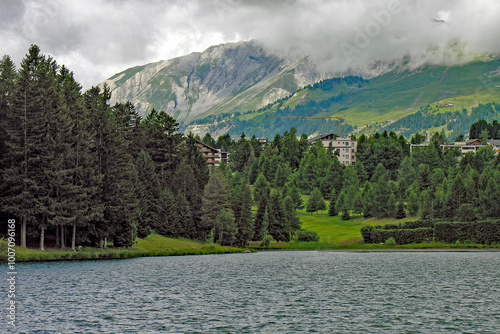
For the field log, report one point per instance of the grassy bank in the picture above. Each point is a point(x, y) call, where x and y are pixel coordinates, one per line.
point(338, 234)
point(153, 245)
point(342, 232)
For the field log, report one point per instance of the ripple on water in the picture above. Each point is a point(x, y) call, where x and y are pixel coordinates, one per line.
point(266, 292)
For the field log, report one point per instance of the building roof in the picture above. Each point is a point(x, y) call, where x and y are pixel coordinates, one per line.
point(318, 137)
point(494, 142)
point(210, 147)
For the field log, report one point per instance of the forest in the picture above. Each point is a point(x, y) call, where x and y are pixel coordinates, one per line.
point(78, 171)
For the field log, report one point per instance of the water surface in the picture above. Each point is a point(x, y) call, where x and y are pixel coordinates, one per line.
point(265, 292)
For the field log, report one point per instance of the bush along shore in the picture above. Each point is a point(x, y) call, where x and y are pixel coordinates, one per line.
point(486, 233)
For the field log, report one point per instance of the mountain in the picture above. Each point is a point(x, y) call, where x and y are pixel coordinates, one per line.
point(224, 78)
point(233, 88)
point(401, 100)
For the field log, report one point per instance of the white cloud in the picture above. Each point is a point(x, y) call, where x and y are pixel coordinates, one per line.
point(97, 38)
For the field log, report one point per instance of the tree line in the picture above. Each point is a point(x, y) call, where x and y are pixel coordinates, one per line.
point(386, 180)
point(77, 171)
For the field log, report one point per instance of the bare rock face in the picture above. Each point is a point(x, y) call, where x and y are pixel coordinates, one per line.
point(224, 78)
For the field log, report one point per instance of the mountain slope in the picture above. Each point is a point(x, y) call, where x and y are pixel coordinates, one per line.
point(233, 88)
point(369, 105)
point(224, 78)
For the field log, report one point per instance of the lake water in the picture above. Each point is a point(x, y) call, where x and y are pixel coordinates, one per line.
point(265, 292)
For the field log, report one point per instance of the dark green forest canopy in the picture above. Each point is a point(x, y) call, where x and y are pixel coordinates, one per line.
point(76, 170)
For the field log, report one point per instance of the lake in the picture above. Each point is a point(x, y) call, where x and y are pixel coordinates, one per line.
point(265, 292)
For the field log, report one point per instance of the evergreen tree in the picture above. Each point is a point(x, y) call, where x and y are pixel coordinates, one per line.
point(24, 177)
point(225, 228)
point(357, 203)
point(314, 203)
point(215, 200)
point(277, 224)
point(345, 212)
point(457, 195)
point(282, 174)
point(340, 203)
point(332, 211)
point(120, 207)
point(412, 194)
point(400, 210)
point(261, 188)
point(242, 208)
point(80, 159)
point(292, 222)
point(382, 198)
point(184, 225)
point(368, 200)
point(259, 223)
point(254, 171)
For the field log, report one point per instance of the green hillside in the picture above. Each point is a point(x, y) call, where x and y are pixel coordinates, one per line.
point(370, 105)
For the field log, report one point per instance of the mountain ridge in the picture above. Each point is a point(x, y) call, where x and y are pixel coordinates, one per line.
point(244, 77)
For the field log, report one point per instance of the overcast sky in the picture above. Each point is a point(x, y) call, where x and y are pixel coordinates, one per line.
point(98, 38)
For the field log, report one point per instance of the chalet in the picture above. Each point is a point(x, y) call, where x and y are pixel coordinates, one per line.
point(495, 144)
point(465, 147)
point(345, 146)
point(212, 156)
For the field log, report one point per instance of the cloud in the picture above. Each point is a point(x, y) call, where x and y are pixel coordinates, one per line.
point(97, 38)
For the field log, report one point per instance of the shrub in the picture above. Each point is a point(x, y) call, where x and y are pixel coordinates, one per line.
point(266, 241)
point(480, 232)
point(401, 236)
point(303, 235)
point(390, 242)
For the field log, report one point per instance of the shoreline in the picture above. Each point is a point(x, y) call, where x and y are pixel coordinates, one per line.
point(33, 255)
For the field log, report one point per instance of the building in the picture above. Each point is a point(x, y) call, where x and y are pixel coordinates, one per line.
point(465, 147)
point(345, 146)
point(212, 156)
point(495, 144)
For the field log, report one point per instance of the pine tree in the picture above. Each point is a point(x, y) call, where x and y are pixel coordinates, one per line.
point(345, 212)
point(149, 194)
point(295, 195)
point(215, 200)
point(321, 204)
point(277, 225)
point(264, 229)
point(81, 157)
point(339, 204)
point(261, 188)
point(7, 86)
point(115, 164)
point(282, 174)
point(163, 142)
point(225, 228)
point(24, 176)
point(254, 171)
point(292, 222)
point(400, 210)
point(242, 208)
point(314, 203)
point(259, 227)
point(381, 196)
point(189, 188)
point(367, 198)
point(332, 210)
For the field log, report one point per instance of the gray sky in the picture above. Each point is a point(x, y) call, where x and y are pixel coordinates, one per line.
point(98, 38)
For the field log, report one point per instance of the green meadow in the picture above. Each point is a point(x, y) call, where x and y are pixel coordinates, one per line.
point(152, 245)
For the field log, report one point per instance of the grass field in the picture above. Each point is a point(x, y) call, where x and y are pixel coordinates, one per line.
point(153, 245)
point(337, 231)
